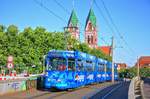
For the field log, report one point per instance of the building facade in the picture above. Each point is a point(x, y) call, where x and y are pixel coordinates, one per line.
point(73, 26)
point(144, 61)
point(91, 30)
point(121, 66)
point(105, 49)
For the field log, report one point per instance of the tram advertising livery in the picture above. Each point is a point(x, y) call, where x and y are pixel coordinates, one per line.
point(72, 69)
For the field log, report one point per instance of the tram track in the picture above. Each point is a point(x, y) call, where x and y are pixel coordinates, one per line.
point(48, 95)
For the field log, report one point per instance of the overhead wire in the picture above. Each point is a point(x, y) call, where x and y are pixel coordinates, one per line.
point(60, 18)
point(63, 8)
point(104, 41)
point(58, 3)
point(105, 19)
point(116, 28)
point(48, 10)
point(114, 25)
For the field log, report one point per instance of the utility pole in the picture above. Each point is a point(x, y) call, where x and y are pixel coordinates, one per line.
point(112, 53)
point(138, 68)
point(105, 68)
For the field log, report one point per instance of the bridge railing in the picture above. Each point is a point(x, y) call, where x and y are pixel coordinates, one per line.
point(134, 91)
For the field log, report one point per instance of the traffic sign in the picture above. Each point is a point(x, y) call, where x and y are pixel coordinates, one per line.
point(10, 58)
point(10, 65)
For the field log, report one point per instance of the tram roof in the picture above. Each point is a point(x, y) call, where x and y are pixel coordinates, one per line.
point(74, 54)
point(102, 60)
point(61, 53)
point(70, 54)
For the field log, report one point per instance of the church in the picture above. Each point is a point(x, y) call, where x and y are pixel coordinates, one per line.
point(90, 31)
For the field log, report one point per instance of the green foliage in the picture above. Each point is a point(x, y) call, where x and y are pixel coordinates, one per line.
point(12, 30)
point(2, 28)
point(145, 72)
point(132, 72)
point(29, 46)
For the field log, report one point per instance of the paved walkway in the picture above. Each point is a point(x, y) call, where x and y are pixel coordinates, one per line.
point(47, 94)
point(146, 88)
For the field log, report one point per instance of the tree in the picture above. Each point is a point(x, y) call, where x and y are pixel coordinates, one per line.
point(12, 30)
point(132, 72)
point(29, 46)
point(2, 28)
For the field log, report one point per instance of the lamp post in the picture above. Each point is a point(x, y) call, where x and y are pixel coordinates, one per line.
point(138, 68)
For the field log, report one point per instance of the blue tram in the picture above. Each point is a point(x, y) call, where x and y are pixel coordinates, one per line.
point(71, 69)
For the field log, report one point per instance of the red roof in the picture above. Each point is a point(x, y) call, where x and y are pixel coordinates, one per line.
point(144, 60)
point(122, 66)
point(105, 49)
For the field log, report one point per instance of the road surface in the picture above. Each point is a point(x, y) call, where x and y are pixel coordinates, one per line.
point(146, 88)
point(118, 91)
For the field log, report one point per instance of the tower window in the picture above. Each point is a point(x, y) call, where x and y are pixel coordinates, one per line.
point(88, 40)
point(90, 26)
point(92, 39)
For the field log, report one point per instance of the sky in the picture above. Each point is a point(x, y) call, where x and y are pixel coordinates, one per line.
point(132, 18)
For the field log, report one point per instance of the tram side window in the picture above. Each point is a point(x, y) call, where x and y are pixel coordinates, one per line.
point(58, 64)
point(99, 67)
point(115, 70)
point(102, 67)
point(89, 66)
point(71, 64)
point(80, 65)
point(108, 69)
point(94, 66)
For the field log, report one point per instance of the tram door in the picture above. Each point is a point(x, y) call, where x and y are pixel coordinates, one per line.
point(80, 72)
point(89, 68)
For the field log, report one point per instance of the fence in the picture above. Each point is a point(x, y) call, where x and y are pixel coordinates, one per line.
point(11, 86)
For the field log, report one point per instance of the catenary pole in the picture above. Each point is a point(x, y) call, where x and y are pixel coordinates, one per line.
point(112, 59)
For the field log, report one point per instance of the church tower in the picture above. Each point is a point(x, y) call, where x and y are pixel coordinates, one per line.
point(73, 26)
point(91, 30)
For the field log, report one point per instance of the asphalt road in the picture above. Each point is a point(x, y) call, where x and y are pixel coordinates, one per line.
point(118, 91)
point(146, 88)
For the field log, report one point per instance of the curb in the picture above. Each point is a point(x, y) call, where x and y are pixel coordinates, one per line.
point(142, 92)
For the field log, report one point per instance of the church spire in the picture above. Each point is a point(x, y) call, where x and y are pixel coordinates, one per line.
point(91, 30)
point(73, 25)
point(92, 18)
point(73, 21)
